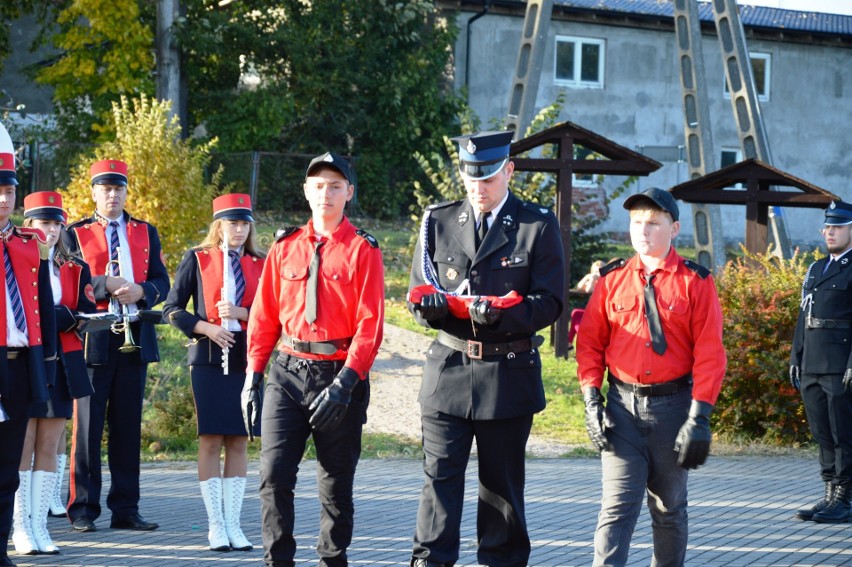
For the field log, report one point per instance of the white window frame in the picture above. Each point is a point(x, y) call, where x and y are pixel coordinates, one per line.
point(767, 79)
point(738, 157)
point(578, 42)
point(583, 179)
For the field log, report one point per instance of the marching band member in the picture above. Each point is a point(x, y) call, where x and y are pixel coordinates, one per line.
point(28, 342)
point(72, 292)
point(220, 275)
point(125, 257)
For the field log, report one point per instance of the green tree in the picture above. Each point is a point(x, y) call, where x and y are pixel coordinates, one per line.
point(165, 175)
point(366, 78)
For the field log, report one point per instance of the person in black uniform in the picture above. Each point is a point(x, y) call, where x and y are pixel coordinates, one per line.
point(482, 378)
point(125, 257)
point(72, 293)
point(221, 281)
point(27, 335)
point(821, 364)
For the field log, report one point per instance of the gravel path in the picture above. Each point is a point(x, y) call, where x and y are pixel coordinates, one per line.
point(395, 382)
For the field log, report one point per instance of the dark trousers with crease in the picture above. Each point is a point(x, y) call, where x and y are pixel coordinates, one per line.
point(12, 432)
point(117, 401)
point(828, 407)
point(501, 526)
point(292, 385)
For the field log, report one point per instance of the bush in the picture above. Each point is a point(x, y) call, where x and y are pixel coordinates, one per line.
point(760, 297)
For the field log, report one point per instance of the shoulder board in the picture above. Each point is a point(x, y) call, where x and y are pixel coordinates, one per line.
point(441, 205)
point(283, 233)
point(614, 265)
point(81, 222)
point(27, 232)
point(368, 237)
point(536, 208)
point(697, 268)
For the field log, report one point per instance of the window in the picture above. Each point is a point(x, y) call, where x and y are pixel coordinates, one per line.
point(579, 62)
point(761, 67)
point(584, 179)
point(730, 156)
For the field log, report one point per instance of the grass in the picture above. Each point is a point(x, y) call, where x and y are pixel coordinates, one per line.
point(169, 418)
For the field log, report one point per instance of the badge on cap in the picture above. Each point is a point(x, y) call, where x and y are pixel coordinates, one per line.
point(833, 205)
point(471, 147)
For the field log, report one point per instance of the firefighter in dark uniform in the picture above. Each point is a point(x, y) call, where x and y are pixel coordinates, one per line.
point(821, 364)
point(128, 276)
point(321, 302)
point(482, 378)
point(28, 337)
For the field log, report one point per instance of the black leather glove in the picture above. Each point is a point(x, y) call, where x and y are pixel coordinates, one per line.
point(693, 439)
point(250, 401)
point(594, 417)
point(330, 406)
point(796, 377)
point(482, 312)
point(847, 379)
point(433, 306)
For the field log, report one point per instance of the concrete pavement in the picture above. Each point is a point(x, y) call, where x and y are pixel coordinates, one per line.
point(741, 513)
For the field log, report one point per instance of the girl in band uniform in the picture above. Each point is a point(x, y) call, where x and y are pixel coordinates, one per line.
point(40, 471)
point(219, 322)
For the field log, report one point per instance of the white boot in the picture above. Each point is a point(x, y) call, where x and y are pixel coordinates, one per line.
point(22, 528)
point(43, 486)
point(233, 490)
point(211, 491)
point(57, 508)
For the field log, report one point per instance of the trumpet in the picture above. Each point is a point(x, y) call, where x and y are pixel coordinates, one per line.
point(122, 325)
point(227, 284)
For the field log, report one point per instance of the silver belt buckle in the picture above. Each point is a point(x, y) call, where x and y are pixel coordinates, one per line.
point(474, 350)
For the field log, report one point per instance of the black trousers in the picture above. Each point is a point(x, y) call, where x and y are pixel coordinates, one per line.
point(501, 526)
point(117, 401)
point(293, 384)
point(17, 405)
point(829, 410)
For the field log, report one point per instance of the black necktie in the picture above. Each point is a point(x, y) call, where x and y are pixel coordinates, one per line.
point(658, 340)
point(311, 292)
point(483, 228)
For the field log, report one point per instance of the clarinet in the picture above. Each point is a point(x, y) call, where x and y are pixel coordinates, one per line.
point(227, 284)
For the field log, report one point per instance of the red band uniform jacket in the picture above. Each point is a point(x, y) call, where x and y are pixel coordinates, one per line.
point(522, 252)
point(32, 273)
point(77, 297)
point(87, 238)
point(199, 277)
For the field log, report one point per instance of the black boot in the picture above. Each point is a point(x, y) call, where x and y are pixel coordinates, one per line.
point(808, 514)
point(839, 510)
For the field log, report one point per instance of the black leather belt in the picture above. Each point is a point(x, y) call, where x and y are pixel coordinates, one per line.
point(323, 347)
point(814, 323)
point(661, 389)
point(478, 349)
point(13, 352)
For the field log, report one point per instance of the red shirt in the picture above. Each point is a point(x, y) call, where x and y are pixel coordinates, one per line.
point(614, 334)
point(350, 297)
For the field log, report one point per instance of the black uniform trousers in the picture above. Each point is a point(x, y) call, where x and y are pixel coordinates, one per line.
point(292, 385)
point(12, 432)
point(117, 401)
point(501, 529)
point(829, 410)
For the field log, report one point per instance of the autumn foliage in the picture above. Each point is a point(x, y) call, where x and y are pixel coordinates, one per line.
point(760, 297)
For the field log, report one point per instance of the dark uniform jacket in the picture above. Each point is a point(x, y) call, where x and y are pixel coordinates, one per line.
point(86, 238)
point(522, 252)
point(822, 343)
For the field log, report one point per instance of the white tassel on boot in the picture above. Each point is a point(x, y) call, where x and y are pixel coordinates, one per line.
point(22, 527)
point(233, 490)
point(211, 492)
point(57, 508)
point(43, 486)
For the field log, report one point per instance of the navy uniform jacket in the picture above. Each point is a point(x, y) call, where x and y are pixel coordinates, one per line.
point(825, 347)
point(522, 252)
point(155, 283)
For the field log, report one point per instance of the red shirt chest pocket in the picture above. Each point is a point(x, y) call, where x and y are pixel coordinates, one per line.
point(293, 273)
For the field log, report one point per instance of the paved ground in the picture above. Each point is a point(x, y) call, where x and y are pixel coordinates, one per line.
point(741, 511)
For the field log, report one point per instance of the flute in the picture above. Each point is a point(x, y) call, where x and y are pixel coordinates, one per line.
point(227, 285)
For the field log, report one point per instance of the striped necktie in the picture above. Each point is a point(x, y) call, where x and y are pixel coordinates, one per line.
point(14, 293)
point(113, 248)
point(239, 279)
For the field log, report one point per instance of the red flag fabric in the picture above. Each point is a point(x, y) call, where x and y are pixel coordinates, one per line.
point(459, 304)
